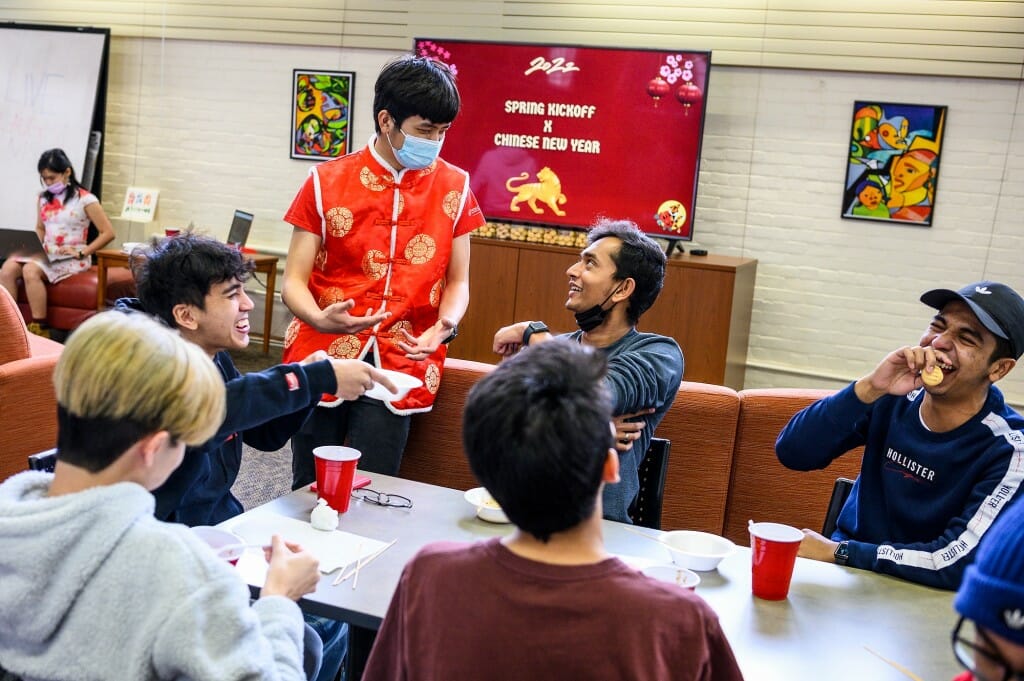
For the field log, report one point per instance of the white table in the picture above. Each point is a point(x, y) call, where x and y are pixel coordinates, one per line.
point(826, 629)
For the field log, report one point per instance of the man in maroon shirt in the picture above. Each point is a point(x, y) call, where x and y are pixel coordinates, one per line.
point(547, 601)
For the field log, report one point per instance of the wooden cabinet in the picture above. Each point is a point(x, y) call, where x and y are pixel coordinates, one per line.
point(705, 304)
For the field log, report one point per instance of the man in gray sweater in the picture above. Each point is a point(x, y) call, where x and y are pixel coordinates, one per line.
point(94, 586)
point(618, 277)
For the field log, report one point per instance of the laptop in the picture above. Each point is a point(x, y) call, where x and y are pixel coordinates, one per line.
point(239, 232)
point(22, 243)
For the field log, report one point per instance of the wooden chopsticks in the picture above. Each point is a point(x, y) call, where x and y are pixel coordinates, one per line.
point(647, 536)
point(361, 563)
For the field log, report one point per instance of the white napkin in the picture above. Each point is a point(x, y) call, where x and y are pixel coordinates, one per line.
point(334, 549)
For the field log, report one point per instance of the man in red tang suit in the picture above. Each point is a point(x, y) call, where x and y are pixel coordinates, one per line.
point(378, 265)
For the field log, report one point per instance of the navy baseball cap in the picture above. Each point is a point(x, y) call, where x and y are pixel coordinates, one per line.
point(998, 307)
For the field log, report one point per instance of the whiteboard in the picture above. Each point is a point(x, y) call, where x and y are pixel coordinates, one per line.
point(48, 88)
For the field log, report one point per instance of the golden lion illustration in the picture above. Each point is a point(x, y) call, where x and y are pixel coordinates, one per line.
point(548, 191)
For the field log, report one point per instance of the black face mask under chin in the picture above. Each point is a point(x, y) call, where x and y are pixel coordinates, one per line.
point(590, 319)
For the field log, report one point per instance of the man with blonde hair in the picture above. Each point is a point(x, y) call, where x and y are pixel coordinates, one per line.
point(88, 569)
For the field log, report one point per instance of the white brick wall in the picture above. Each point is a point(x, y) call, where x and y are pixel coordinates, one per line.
point(208, 124)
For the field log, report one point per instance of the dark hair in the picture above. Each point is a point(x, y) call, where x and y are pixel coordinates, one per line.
point(93, 443)
point(182, 269)
point(57, 161)
point(536, 432)
point(639, 258)
point(1003, 349)
point(416, 86)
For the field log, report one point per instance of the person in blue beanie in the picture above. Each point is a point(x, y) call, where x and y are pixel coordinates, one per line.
point(943, 452)
point(991, 599)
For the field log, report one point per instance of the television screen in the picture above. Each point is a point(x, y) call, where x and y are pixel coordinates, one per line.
point(560, 135)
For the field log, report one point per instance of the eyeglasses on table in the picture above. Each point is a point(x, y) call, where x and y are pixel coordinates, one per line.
point(382, 498)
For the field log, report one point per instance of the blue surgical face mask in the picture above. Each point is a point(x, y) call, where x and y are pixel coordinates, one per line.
point(416, 153)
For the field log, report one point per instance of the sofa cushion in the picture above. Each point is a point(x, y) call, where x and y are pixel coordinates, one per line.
point(761, 488)
point(73, 300)
point(433, 453)
point(14, 339)
point(79, 291)
point(701, 424)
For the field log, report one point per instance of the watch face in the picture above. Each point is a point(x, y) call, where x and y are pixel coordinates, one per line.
point(842, 553)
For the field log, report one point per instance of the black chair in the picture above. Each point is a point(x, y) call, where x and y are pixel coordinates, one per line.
point(646, 508)
point(840, 493)
point(43, 461)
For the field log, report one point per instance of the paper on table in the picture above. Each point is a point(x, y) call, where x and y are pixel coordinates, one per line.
point(334, 549)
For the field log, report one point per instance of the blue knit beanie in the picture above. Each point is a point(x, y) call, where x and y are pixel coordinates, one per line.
point(992, 593)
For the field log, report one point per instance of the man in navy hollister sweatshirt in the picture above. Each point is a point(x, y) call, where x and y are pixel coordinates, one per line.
point(942, 456)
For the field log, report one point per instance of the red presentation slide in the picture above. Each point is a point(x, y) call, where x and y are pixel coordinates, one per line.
point(562, 135)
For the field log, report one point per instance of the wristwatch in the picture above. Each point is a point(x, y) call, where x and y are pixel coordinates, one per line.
point(842, 554)
point(532, 328)
point(451, 336)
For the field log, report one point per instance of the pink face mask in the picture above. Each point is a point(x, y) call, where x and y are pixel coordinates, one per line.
point(57, 188)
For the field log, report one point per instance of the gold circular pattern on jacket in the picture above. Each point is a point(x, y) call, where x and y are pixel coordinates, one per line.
point(321, 258)
point(435, 292)
point(371, 181)
point(339, 221)
point(375, 265)
point(344, 347)
point(396, 331)
point(334, 294)
point(432, 379)
point(420, 249)
point(451, 203)
point(292, 332)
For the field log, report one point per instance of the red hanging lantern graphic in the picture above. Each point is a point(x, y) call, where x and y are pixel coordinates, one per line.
point(658, 88)
point(689, 94)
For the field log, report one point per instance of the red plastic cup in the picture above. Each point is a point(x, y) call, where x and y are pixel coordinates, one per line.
point(171, 231)
point(773, 549)
point(335, 470)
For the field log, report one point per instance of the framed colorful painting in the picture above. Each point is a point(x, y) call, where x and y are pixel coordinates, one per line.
point(321, 112)
point(892, 172)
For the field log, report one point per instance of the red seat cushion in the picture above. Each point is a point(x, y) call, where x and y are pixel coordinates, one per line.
point(73, 300)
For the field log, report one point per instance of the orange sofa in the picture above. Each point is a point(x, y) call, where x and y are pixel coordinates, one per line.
point(722, 471)
point(28, 402)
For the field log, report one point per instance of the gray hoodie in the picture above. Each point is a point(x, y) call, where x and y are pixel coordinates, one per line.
point(92, 586)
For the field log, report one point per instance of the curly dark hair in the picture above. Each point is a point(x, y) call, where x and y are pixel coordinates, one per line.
point(182, 269)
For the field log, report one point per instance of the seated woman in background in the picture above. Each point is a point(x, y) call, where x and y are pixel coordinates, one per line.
point(65, 211)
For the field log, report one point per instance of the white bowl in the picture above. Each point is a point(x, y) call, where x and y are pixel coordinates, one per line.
point(673, 574)
point(486, 507)
point(227, 545)
point(701, 551)
point(404, 383)
point(129, 246)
